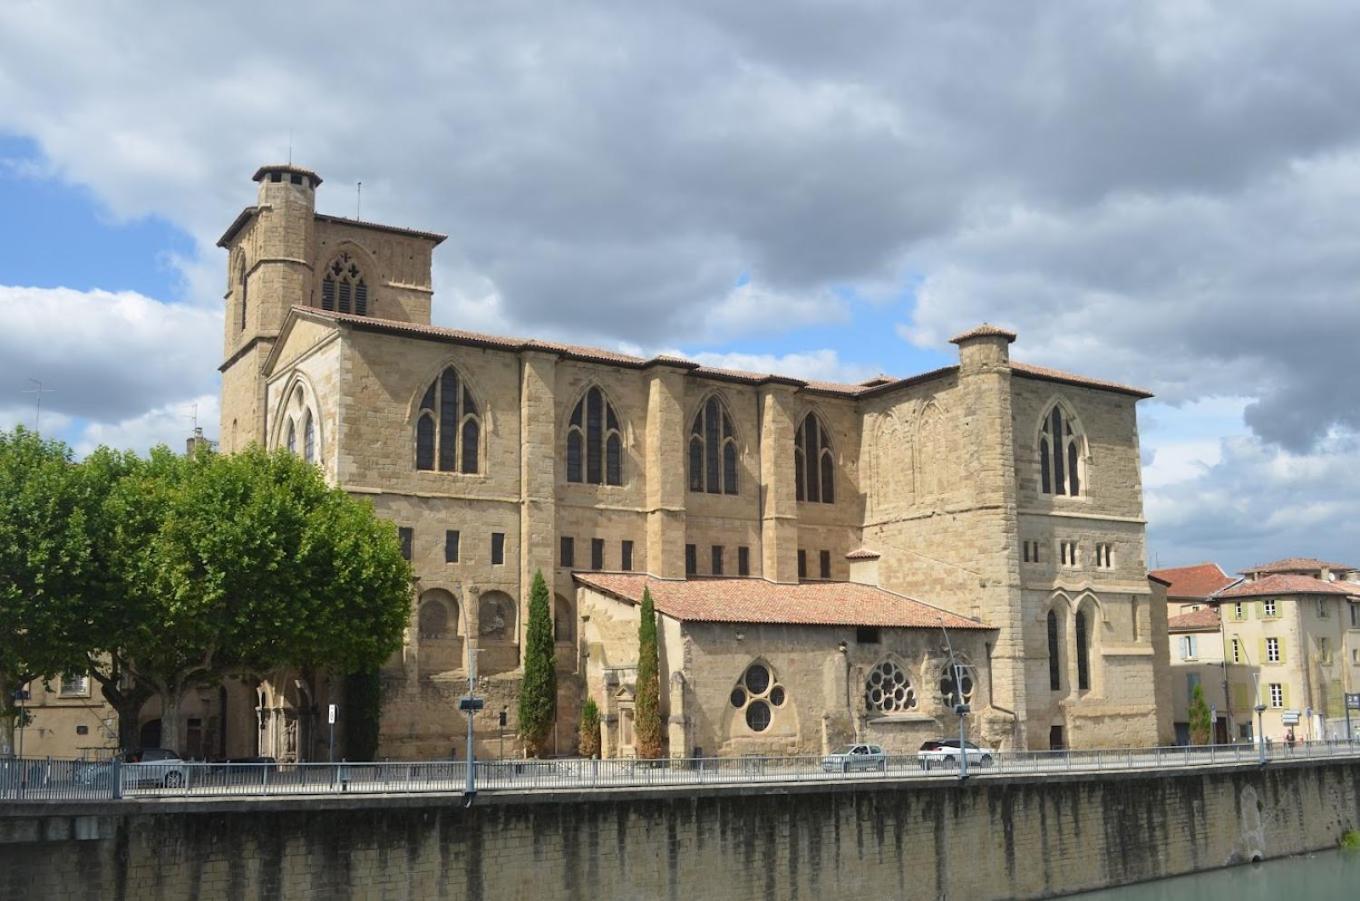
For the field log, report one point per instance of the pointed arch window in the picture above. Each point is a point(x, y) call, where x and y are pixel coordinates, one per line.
point(1083, 652)
point(814, 467)
point(343, 288)
point(308, 438)
point(292, 437)
point(241, 279)
point(448, 426)
point(1054, 663)
point(713, 450)
point(1060, 456)
point(594, 442)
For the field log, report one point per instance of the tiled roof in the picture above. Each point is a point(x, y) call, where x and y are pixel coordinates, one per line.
point(986, 330)
point(1204, 619)
point(1297, 564)
point(261, 172)
point(1197, 581)
point(718, 600)
point(863, 553)
point(246, 214)
point(1288, 584)
point(614, 358)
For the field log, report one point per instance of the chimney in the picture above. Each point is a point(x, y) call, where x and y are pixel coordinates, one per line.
point(864, 566)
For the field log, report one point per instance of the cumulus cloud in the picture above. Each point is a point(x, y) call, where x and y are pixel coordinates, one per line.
point(106, 356)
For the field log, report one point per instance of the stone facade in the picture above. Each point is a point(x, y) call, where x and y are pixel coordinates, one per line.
point(939, 474)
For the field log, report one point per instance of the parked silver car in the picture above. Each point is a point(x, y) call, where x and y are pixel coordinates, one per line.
point(150, 768)
point(945, 752)
point(856, 757)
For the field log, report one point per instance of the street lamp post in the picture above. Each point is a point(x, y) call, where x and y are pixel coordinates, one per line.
point(470, 704)
point(1261, 733)
point(960, 707)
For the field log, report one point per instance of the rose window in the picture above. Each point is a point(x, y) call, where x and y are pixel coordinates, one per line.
point(888, 690)
point(756, 695)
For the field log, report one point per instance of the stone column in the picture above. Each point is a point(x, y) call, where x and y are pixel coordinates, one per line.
point(665, 468)
point(538, 477)
point(778, 500)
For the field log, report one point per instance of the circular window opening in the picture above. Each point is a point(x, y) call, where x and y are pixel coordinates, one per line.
point(757, 679)
point(887, 689)
point(947, 690)
point(758, 716)
point(738, 697)
point(777, 696)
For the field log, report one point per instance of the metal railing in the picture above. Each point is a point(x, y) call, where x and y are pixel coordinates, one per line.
point(82, 780)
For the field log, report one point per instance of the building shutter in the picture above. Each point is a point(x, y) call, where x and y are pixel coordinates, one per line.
point(1284, 693)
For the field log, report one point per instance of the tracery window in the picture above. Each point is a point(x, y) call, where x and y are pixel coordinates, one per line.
point(888, 689)
point(1060, 456)
point(1054, 663)
point(308, 438)
point(448, 426)
point(956, 687)
point(713, 450)
point(757, 695)
point(241, 278)
point(299, 425)
point(594, 442)
point(813, 462)
point(1083, 652)
point(343, 288)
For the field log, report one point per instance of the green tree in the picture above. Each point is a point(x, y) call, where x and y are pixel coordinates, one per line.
point(1201, 727)
point(647, 697)
point(538, 691)
point(589, 743)
point(44, 567)
point(249, 563)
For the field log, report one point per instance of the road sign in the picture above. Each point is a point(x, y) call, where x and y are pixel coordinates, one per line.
point(1290, 718)
point(466, 704)
point(1353, 701)
point(330, 714)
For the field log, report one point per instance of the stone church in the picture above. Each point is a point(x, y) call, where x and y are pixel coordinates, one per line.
point(818, 553)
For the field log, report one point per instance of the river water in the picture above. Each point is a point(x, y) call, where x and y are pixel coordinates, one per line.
point(1323, 875)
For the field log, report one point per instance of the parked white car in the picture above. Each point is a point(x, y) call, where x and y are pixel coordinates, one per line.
point(856, 757)
point(944, 752)
point(151, 768)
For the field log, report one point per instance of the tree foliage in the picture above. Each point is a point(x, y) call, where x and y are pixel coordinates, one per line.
point(45, 566)
point(647, 698)
point(1201, 726)
point(589, 742)
point(538, 691)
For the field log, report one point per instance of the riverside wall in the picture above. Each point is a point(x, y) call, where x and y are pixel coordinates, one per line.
point(990, 838)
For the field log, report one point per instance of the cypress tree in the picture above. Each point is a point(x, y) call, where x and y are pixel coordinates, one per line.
point(1200, 726)
point(647, 700)
point(538, 692)
point(590, 729)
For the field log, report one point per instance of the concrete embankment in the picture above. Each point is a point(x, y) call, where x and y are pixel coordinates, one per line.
point(994, 837)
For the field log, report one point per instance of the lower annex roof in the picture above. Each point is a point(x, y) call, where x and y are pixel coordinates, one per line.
point(751, 600)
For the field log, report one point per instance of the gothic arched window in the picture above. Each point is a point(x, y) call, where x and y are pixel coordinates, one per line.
point(814, 468)
point(713, 450)
point(1054, 662)
point(594, 442)
point(241, 278)
point(448, 426)
point(1083, 652)
point(308, 438)
point(1060, 457)
point(292, 437)
point(343, 288)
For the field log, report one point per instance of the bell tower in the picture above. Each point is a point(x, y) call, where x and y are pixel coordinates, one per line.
point(271, 250)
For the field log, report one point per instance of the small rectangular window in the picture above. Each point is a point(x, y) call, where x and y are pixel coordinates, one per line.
point(1236, 650)
point(451, 546)
point(744, 561)
point(597, 553)
point(1269, 607)
point(568, 552)
point(824, 564)
point(1104, 556)
point(497, 548)
point(82, 729)
point(1067, 551)
point(691, 559)
point(75, 685)
point(1355, 615)
point(626, 556)
point(717, 559)
point(1322, 608)
point(407, 537)
point(867, 635)
point(802, 563)
point(1276, 694)
point(1239, 612)
point(1272, 650)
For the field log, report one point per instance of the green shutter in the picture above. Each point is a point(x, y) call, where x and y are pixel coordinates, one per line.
point(1284, 692)
point(1261, 654)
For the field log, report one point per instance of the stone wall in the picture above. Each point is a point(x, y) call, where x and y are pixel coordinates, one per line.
point(995, 838)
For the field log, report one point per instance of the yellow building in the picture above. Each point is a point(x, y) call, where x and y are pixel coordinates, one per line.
point(1291, 633)
point(1005, 494)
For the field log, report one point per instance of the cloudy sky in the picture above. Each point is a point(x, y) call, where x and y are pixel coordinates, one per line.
point(1162, 193)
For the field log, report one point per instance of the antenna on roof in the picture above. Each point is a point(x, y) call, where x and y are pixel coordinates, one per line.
point(37, 391)
point(194, 415)
point(358, 199)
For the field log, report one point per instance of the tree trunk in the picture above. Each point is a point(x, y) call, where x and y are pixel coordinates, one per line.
point(127, 703)
point(8, 716)
point(170, 717)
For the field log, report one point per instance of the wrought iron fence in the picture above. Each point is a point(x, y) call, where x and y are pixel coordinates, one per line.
point(77, 780)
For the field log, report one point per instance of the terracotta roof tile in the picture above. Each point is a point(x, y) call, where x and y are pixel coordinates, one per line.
point(718, 600)
point(863, 553)
point(1197, 581)
point(1288, 584)
point(986, 330)
point(1202, 620)
point(1297, 564)
point(1057, 375)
